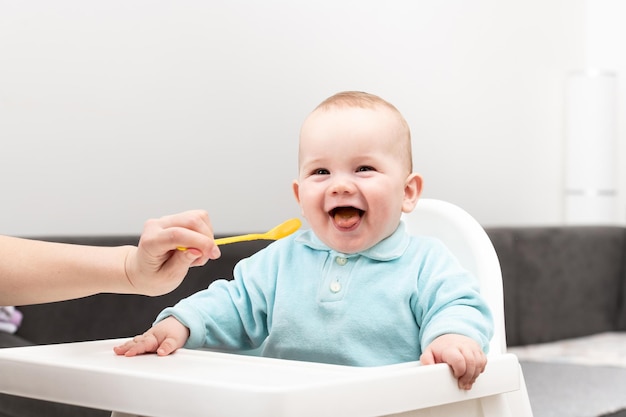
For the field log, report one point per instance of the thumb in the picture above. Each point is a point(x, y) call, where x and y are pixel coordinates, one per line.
point(181, 261)
point(169, 345)
point(427, 357)
point(193, 257)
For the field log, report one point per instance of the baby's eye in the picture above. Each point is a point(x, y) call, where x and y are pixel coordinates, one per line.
point(365, 168)
point(321, 171)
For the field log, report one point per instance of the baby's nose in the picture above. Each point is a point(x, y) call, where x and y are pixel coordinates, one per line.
point(342, 185)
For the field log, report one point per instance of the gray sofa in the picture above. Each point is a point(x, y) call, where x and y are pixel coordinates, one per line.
point(564, 284)
point(559, 283)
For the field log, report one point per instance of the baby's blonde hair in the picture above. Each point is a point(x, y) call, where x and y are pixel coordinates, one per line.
point(370, 101)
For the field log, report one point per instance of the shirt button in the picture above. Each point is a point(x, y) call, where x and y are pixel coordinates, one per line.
point(335, 287)
point(341, 261)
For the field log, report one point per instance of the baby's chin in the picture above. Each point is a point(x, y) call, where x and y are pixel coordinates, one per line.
point(348, 244)
point(359, 239)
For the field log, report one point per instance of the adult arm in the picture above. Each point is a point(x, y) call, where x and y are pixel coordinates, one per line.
point(33, 271)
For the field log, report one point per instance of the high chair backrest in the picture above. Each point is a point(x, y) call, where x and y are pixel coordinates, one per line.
point(469, 242)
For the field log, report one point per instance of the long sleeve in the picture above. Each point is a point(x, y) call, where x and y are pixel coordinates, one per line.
point(449, 300)
point(305, 301)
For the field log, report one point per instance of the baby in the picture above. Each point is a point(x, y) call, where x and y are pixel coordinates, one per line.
point(355, 289)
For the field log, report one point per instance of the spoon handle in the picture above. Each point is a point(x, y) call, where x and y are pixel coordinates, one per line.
point(240, 238)
point(234, 239)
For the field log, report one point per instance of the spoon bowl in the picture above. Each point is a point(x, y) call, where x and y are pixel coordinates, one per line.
point(278, 232)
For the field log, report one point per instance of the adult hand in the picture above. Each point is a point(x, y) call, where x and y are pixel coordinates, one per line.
point(156, 266)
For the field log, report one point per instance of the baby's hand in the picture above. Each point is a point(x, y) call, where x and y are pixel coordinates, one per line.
point(462, 353)
point(163, 338)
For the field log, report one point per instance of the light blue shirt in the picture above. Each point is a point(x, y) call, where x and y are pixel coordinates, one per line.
point(309, 302)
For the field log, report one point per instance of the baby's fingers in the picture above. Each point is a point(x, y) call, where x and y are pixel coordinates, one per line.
point(137, 346)
point(454, 357)
point(475, 363)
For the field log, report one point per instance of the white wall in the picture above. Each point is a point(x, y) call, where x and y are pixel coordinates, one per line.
point(113, 112)
point(605, 35)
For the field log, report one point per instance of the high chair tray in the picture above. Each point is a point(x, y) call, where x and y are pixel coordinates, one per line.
point(202, 383)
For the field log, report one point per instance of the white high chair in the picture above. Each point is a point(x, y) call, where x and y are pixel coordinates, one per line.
point(469, 242)
point(204, 384)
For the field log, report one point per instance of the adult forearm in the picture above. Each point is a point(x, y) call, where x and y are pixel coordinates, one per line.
point(35, 272)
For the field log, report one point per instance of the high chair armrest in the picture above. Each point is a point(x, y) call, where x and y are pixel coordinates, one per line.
point(203, 383)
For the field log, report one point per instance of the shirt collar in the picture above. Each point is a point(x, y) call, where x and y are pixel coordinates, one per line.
point(390, 248)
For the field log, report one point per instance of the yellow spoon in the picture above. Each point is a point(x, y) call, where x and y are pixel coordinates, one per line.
point(282, 230)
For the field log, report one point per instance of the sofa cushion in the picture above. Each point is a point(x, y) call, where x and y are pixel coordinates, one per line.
point(560, 282)
point(503, 241)
point(621, 321)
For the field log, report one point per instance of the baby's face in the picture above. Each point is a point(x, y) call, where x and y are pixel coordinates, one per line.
point(354, 180)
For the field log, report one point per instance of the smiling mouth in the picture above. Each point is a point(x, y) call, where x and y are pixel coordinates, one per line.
point(346, 217)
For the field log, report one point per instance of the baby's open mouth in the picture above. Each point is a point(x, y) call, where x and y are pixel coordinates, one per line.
point(346, 217)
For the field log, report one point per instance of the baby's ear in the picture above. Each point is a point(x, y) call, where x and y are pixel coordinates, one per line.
point(296, 190)
point(412, 192)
